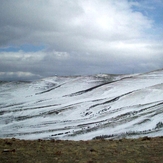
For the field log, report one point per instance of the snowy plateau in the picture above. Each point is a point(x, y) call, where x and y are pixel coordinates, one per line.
point(83, 107)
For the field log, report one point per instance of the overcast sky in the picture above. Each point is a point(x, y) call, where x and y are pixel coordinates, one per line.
point(42, 38)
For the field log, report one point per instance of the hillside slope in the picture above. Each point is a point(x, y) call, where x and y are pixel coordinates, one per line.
point(81, 107)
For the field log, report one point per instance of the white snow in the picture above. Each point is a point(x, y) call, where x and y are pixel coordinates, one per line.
point(83, 107)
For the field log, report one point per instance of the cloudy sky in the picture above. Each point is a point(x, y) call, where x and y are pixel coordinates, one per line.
point(42, 38)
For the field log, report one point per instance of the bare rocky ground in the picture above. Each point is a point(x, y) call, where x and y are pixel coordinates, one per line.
point(142, 150)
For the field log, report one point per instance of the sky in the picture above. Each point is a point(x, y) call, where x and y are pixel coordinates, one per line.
point(43, 38)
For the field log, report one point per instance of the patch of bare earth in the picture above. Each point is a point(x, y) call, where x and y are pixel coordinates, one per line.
point(142, 150)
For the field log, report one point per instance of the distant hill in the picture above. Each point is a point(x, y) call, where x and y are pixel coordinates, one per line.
point(83, 107)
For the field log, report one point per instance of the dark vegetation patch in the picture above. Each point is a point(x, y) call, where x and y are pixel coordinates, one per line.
point(94, 151)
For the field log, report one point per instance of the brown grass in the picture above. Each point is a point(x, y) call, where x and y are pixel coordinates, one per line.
point(142, 150)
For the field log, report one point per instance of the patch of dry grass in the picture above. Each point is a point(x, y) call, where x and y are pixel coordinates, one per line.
point(140, 150)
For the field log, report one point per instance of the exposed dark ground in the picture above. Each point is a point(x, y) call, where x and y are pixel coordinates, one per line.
point(142, 150)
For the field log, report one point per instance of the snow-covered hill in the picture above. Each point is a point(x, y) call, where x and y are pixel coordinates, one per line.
point(83, 107)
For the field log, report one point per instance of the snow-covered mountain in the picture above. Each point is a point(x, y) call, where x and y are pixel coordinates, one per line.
point(84, 108)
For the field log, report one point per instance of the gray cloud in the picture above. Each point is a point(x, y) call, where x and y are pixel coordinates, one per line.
point(81, 36)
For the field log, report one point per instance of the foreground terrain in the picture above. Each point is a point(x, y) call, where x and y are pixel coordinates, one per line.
point(142, 150)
